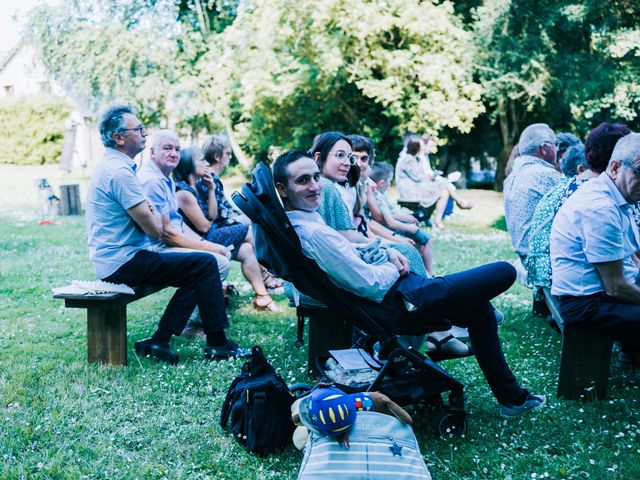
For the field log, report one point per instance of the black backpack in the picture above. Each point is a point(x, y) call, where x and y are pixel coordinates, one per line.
point(259, 405)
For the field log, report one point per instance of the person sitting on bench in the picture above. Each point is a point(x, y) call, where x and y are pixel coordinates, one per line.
point(594, 245)
point(120, 217)
point(463, 298)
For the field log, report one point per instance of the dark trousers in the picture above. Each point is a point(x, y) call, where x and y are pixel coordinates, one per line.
point(464, 299)
point(601, 313)
point(198, 281)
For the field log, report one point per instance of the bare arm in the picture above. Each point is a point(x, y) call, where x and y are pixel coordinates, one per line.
point(354, 236)
point(189, 206)
point(394, 224)
point(187, 239)
point(147, 218)
point(383, 232)
point(615, 283)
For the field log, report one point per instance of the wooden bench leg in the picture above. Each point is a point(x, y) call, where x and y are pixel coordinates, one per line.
point(584, 366)
point(327, 331)
point(107, 335)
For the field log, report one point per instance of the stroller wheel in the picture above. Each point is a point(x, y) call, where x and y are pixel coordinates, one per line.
point(430, 404)
point(449, 424)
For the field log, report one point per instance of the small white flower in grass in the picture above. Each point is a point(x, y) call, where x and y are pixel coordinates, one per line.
point(592, 461)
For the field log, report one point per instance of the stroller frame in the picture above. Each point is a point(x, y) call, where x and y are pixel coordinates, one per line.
point(407, 376)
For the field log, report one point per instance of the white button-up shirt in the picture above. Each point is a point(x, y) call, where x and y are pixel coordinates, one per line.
point(339, 258)
point(594, 225)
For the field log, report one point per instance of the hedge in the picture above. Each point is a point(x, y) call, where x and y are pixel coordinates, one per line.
point(32, 129)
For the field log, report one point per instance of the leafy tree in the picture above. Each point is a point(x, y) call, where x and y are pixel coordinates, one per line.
point(32, 129)
point(286, 70)
point(115, 50)
point(569, 64)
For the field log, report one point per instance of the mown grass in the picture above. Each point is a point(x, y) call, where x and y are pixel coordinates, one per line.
point(63, 418)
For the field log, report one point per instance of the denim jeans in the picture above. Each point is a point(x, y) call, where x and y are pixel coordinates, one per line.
point(464, 299)
point(197, 278)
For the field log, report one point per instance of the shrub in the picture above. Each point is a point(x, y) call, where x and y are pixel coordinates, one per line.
point(32, 129)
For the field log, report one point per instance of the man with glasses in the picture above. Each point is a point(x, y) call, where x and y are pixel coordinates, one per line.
point(120, 220)
point(534, 174)
point(594, 243)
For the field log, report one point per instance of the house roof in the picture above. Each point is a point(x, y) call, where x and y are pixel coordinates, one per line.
point(9, 55)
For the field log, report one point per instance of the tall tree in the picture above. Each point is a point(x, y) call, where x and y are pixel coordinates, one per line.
point(286, 70)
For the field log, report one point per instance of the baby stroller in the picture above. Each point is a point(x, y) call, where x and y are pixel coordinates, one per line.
point(406, 376)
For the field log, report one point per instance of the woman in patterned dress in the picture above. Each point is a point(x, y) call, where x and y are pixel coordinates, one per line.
point(194, 208)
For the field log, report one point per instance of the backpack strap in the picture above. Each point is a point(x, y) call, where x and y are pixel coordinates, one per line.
point(226, 406)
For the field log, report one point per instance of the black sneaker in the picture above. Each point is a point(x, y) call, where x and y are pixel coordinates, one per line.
point(160, 352)
point(229, 350)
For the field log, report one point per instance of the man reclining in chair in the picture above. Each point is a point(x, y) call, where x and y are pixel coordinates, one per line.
point(462, 298)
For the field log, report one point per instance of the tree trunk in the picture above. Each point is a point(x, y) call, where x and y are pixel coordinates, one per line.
point(243, 160)
point(509, 122)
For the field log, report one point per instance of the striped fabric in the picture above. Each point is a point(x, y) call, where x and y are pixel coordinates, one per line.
point(381, 447)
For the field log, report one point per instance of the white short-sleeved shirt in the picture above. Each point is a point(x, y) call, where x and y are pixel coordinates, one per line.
point(594, 225)
point(161, 192)
point(114, 238)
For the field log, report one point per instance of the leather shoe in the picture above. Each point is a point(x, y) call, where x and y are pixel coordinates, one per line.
point(159, 351)
point(229, 350)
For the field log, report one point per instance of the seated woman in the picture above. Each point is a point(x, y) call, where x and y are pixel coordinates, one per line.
point(193, 208)
point(338, 165)
point(417, 182)
point(217, 154)
point(579, 164)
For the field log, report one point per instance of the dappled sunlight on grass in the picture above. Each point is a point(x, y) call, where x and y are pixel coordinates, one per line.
point(63, 418)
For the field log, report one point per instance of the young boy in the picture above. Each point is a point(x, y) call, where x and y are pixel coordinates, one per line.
point(398, 221)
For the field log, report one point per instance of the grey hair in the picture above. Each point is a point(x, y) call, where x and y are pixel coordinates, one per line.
point(112, 121)
point(533, 136)
point(566, 140)
point(627, 149)
point(214, 146)
point(573, 158)
point(161, 135)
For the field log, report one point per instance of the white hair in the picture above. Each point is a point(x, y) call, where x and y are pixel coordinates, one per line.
point(627, 149)
point(533, 136)
point(162, 135)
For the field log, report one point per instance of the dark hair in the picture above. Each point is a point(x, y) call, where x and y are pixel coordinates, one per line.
point(111, 122)
point(600, 143)
point(573, 158)
point(323, 143)
point(187, 164)
point(566, 140)
point(381, 171)
point(413, 145)
point(407, 135)
point(363, 144)
point(279, 167)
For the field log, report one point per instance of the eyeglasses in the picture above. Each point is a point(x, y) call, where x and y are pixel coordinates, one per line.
point(550, 143)
point(627, 164)
point(345, 157)
point(141, 129)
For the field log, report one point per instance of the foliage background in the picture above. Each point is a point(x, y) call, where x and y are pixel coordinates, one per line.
point(32, 129)
point(274, 73)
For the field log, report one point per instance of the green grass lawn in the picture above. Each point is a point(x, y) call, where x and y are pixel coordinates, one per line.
point(61, 418)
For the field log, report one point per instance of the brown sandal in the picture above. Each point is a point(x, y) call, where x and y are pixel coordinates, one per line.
point(270, 280)
point(264, 303)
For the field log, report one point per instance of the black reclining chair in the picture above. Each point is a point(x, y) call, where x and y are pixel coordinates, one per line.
point(407, 376)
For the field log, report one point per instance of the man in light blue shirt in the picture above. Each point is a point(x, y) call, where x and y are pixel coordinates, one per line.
point(119, 220)
point(594, 245)
point(534, 174)
point(463, 298)
point(157, 184)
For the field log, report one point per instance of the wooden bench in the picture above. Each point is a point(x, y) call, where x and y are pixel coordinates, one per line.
point(584, 361)
point(106, 323)
point(327, 331)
